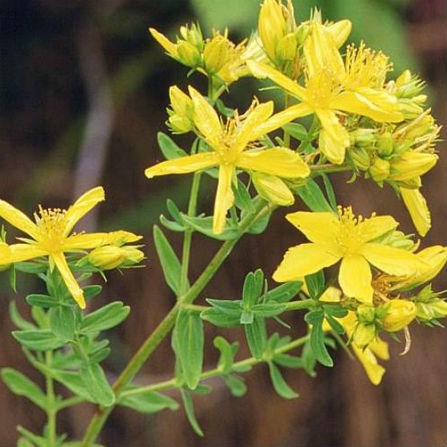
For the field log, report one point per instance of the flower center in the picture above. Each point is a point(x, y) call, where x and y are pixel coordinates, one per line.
point(51, 223)
point(349, 237)
point(320, 88)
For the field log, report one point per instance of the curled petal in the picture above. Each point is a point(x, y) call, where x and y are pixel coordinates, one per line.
point(373, 369)
point(303, 260)
point(278, 161)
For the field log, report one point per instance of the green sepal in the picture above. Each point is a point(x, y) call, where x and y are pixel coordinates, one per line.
point(256, 335)
point(148, 402)
point(189, 410)
point(96, 384)
point(311, 194)
point(169, 261)
point(188, 340)
point(22, 386)
point(62, 322)
point(38, 340)
point(279, 383)
point(104, 318)
point(168, 147)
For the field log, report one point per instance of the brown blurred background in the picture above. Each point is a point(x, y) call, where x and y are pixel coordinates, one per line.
point(83, 92)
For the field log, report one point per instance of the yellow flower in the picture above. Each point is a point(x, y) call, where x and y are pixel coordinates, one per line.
point(330, 89)
point(229, 143)
point(51, 236)
point(351, 240)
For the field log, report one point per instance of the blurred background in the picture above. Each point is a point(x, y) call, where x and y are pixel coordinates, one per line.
point(83, 92)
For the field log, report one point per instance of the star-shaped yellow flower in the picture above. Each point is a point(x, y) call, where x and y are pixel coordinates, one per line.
point(51, 236)
point(351, 240)
point(232, 149)
point(331, 89)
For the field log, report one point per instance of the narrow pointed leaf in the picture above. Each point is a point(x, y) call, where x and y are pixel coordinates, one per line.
point(189, 410)
point(148, 402)
point(105, 318)
point(279, 383)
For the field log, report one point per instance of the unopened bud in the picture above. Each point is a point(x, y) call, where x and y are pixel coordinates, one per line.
point(385, 144)
point(339, 31)
point(110, 257)
point(380, 170)
point(364, 334)
point(399, 314)
point(188, 54)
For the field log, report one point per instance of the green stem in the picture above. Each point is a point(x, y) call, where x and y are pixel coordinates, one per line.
point(251, 361)
point(51, 403)
point(188, 233)
point(162, 330)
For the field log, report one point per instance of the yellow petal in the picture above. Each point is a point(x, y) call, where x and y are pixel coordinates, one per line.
point(435, 257)
point(205, 118)
point(279, 119)
point(18, 219)
point(375, 104)
point(183, 165)
point(247, 132)
point(320, 228)
point(374, 371)
point(224, 197)
point(86, 241)
point(170, 47)
point(23, 252)
point(303, 260)
point(355, 278)
point(412, 164)
point(339, 31)
point(272, 189)
point(334, 138)
point(265, 71)
point(418, 209)
point(82, 206)
point(321, 52)
point(375, 227)
point(380, 348)
point(278, 161)
point(69, 279)
point(393, 261)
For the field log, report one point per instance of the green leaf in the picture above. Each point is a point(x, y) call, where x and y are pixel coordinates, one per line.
point(252, 289)
point(317, 340)
point(227, 353)
point(168, 259)
point(247, 317)
point(168, 147)
point(23, 442)
point(96, 384)
point(204, 225)
point(189, 410)
point(269, 309)
point(219, 319)
point(17, 319)
point(311, 194)
point(22, 386)
point(316, 284)
point(62, 322)
point(91, 291)
point(235, 384)
point(38, 340)
point(229, 307)
point(288, 361)
point(104, 318)
point(33, 439)
point(188, 342)
point(74, 382)
point(242, 198)
point(297, 131)
point(13, 278)
point(330, 193)
point(148, 402)
point(309, 360)
point(280, 385)
point(284, 293)
point(256, 334)
point(41, 300)
point(260, 224)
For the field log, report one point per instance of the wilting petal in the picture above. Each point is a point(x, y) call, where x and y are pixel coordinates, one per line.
point(16, 218)
point(374, 371)
point(279, 119)
point(435, 257)
point(412, 164)
point(375, 104)
point(82, 206)
point(22, 252)
point(278, 161)
point(272, 189)
point(170, 47)
point(183, 165)
point(334, 138)
point(206, 118)
point(321, 52)
point(375, 227)
point(69, 279)
point(320, 228)
point(303, 260)
point(391, 260)
point(246, 132)
point(418, 209)
point(265, 71)
point(224, 197)
point(355, 278)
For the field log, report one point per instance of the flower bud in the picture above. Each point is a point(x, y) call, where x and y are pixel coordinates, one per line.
point(110, 256)
point(216, 53)
point(380, 170)
point(399, 314)
point(362, 137)
point(339, 31)
point(364, 334)
point(436, 308)
point(193, 35)
point(181, 116)
point(286, 48)
point(360, 158)
point(188, 54)
point(384, 144)
point(272, 189)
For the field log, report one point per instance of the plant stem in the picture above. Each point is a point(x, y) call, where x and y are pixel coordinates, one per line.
point(51, 403)
point(301, 304)
point(162, 330)
point(251, 361)
point(329, 168)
